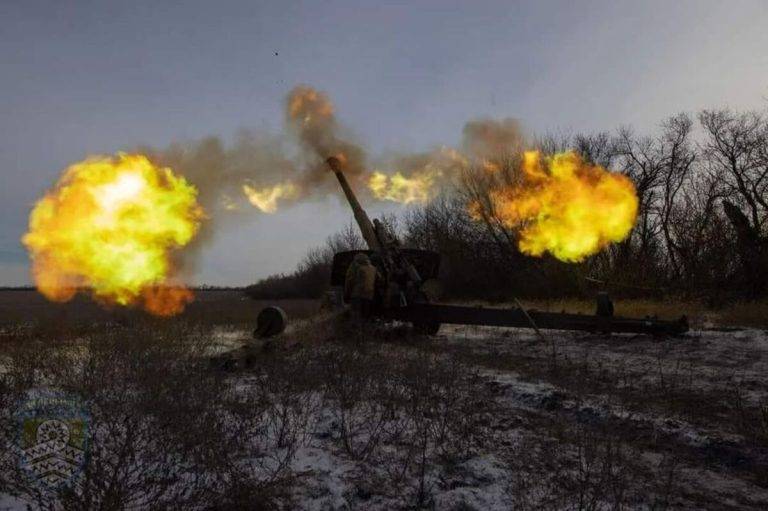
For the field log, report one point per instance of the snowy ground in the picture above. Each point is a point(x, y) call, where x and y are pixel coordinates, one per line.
point(575, 421)
point(691, 411)
point(700, 400)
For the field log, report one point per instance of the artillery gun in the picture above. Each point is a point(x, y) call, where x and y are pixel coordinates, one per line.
point(409, 276)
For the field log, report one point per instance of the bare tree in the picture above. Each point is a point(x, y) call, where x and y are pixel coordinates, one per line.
point(677, 160)
point(735, 149)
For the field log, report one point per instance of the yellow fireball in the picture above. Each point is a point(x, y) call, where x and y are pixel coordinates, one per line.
point(566, 206)
point(109, 226)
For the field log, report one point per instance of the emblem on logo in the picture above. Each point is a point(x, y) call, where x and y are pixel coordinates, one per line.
point(53, 437)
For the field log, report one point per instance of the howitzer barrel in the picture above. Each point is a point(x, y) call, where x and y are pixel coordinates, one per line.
point(361, 217)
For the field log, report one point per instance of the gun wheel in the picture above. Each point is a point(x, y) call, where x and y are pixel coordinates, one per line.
point(270, 322)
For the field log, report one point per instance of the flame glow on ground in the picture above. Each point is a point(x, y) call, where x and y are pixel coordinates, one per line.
point(566, 206)
point(109, 226)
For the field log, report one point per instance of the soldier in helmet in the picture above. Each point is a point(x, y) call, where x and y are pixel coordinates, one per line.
point(360, 285)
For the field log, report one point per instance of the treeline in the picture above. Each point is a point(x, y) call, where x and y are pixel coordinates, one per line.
point(313, 274)
point(702, 228)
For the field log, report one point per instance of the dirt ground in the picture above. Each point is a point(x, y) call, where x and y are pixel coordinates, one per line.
point(334, 416)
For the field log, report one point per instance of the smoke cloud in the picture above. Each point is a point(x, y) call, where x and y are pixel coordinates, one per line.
point(268, 171)
point(310, 116)
point(492, 139)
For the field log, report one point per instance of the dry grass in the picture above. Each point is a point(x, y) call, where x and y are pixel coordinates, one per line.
point(406, 416)
point(29, 309)
point(164, 431)
point(168, 432)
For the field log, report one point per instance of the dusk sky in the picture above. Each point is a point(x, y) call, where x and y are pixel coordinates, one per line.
point(95, 77)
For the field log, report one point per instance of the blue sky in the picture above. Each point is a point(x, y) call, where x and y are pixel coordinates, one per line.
point(98, 76)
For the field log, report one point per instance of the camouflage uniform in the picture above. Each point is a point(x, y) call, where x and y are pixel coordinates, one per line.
point(360, 285)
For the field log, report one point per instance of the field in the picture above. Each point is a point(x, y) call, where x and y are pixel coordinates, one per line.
point(336, 416)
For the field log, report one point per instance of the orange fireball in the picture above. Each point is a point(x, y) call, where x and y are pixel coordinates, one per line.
point(110, 226)
point(566, 206)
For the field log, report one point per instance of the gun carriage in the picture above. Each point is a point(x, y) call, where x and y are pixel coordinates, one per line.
point(408, 277)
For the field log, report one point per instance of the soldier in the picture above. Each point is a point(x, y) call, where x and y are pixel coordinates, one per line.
point(359, 285)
